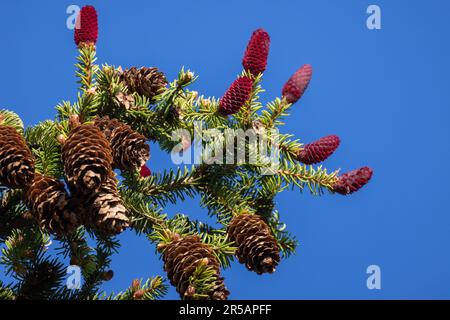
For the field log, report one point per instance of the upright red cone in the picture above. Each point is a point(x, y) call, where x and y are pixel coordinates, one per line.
point(319, 150)
point(86, 28)
point(236, 96)
point(255, 56)
point(297, 84)
point(353, 181)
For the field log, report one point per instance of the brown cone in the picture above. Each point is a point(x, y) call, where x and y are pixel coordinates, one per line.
point(87, 159)
point(16, 159)
point(130, 150)
point(147, 82)
point(182, 257)
point(257, 247)
point(49, 203)
point(104, 209)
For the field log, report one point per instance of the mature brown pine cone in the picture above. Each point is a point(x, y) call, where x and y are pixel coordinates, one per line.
point(16, 159)
point(257, 247)
point(87, 158)
point(130, 150)
point(104, 209)
point(147, 82)
point(181, 258)
point(50, 205)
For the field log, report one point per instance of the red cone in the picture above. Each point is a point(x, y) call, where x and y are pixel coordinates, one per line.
point(255, 57)
point(145, 171)
point(297, 84)
point(86, 28)
point(319, 150)
point(236, 96)
point(353, 181)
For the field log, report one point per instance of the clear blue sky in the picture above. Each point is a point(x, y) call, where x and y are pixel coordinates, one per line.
point(385, 92)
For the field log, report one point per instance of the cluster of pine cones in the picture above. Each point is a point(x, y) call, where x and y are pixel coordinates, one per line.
point(239, 93)
point(90, 153)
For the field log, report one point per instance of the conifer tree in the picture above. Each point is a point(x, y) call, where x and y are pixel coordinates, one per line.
point(83, 178)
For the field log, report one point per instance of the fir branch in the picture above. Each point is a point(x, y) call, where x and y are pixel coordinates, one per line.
point(86, 107)
point(223, 248)
point(86, 67)
point(106, 247)
point(167, 102)
point(143, 214)
point(204, 110)
point(274, 111)
point(109, 87)
point(64, 110)
point(203, 279)
point(150, 124)
point(23, 250)
point(13, 212)
point(75, 246)
point(9, 118)
point(248, 112)
point(286, 241)
point(165, 232)
point(86, 72)
point(42, 280)
point(166, 187)
point(6, 292)
point(24, 257)
point(223, 198)
point(301, 176)
point(45, 147)
point(154, 288)
point(176, 88)
point(288, 148)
